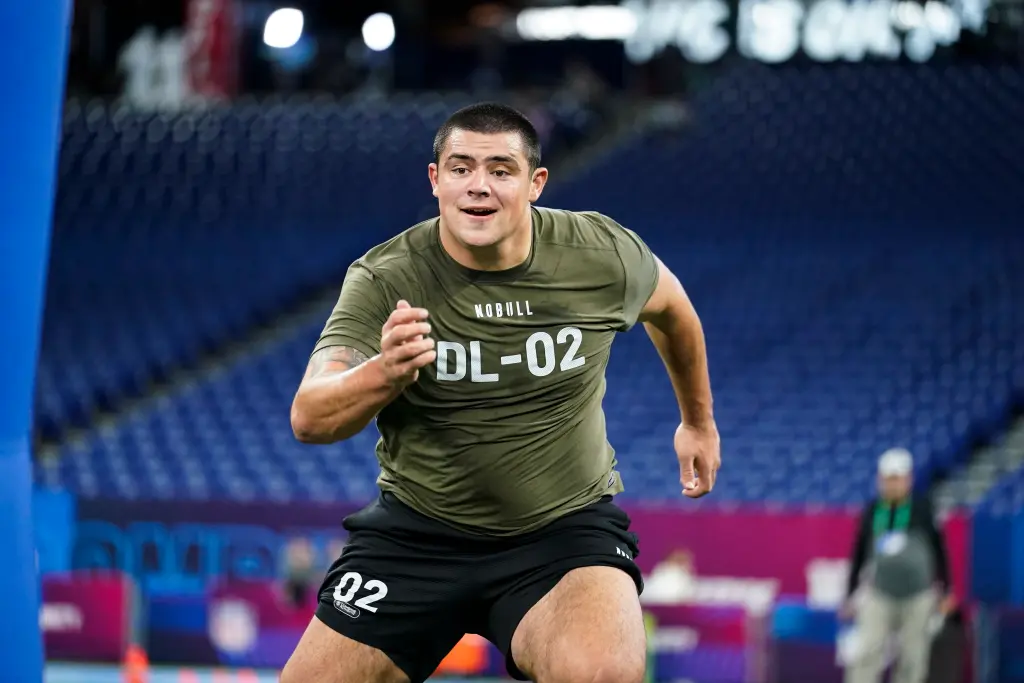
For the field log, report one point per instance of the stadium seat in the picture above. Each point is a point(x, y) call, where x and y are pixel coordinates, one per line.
point(851, 237)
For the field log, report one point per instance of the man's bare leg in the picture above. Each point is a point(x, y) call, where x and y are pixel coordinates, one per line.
point(588, 629)
point(325, 656)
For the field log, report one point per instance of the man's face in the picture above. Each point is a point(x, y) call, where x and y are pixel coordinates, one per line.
point(484, 187)
point(894, 488)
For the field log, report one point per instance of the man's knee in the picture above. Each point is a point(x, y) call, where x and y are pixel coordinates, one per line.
point(610, 666)
point(325, 656)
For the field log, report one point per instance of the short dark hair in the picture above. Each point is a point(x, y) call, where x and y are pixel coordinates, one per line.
point(489, 118)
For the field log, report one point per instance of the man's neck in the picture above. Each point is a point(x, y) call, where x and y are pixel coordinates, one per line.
point(896, 501)
point(507, 254)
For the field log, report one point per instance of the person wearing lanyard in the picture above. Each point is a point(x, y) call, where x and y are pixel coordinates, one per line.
point(900, 557)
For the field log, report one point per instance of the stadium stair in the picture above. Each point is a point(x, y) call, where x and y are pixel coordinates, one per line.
point(996, 471)
point(232, 352)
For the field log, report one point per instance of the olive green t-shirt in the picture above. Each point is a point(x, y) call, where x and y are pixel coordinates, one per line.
point(505, 431)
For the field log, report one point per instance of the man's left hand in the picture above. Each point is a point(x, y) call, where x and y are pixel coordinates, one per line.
point(947, 605)
point(699, 453)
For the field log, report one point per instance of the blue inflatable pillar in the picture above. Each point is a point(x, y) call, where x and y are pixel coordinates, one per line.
point(34, 50)
point(1017, 559)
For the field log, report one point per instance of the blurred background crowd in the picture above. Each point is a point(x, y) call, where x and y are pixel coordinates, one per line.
point(839, 185)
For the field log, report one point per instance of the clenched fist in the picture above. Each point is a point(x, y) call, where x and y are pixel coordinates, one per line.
point(405, 346)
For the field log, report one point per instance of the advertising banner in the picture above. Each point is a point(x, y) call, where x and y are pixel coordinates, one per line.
point(53, 517)
point(211, 573)
point(244, 540)
point(757, 542)
point(87, 616)
point(253, 624)
point(721, 643)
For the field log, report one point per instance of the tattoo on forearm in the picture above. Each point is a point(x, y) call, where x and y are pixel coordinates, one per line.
point(334, 359)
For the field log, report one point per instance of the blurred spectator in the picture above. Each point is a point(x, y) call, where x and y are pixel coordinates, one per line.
point(334, 548)
point(902, 556)
point(300, 572)
point(672, 580)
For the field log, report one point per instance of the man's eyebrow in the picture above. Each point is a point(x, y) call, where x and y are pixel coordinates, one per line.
point(494, 158)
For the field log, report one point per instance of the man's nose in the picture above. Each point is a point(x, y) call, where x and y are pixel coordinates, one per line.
point(480, 185)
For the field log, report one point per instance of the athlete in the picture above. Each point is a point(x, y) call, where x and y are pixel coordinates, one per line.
point(478, 340)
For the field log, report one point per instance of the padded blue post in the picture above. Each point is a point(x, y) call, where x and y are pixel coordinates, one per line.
point(34, 49)
point(1017, 559)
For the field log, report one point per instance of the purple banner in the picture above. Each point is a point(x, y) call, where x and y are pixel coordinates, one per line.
point(239, 540)
point(710, 644)
point(748, 543)
point(254, 625)
point(87, 617)
point(764, 543)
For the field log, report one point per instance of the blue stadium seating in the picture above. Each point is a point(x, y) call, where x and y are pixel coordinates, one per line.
point(852, 237)
point(936, 146)
point(174, 234)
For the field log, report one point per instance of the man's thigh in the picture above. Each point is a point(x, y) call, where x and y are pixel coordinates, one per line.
point(568, 607)
point(325, 656)
point(394, 593)
point(587, 629)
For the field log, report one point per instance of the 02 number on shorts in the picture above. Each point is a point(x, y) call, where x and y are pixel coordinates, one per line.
point(350, 583)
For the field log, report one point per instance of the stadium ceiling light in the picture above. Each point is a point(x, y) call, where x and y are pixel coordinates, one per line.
point(379, 31)
point(283, 28)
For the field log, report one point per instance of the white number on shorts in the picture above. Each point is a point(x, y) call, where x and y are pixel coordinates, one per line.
point(380, 591)
point(350, 583)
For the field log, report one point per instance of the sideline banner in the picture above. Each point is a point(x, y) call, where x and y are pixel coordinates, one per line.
point(721, 643)
point(755, 542)
point(252, 624)
point(87, 617)
point(244, 540)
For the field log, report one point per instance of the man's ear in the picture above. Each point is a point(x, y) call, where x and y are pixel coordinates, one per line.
point(432, 174)
point(537, 183)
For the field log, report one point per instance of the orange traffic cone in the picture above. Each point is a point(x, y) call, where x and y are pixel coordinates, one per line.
point(467, 658)
point(136, 665)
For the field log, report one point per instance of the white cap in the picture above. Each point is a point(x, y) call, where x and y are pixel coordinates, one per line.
point(896, 462)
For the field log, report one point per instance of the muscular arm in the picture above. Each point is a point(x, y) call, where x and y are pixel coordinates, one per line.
point(672, 324)
point(340, 394)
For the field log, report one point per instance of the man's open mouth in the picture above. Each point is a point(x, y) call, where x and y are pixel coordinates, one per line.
point(480, 212)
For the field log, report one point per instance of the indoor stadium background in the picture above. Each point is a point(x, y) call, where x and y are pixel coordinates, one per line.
point(840, 188)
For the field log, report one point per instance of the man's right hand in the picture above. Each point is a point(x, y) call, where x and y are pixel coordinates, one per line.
point(405, 346)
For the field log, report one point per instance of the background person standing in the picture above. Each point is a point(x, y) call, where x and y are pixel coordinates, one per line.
point(900, 556)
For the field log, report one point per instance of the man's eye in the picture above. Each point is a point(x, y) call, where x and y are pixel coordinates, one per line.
point(500, 173)
point(459, 170)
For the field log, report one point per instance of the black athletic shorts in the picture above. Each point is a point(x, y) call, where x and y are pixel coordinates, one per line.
point(412, 586)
